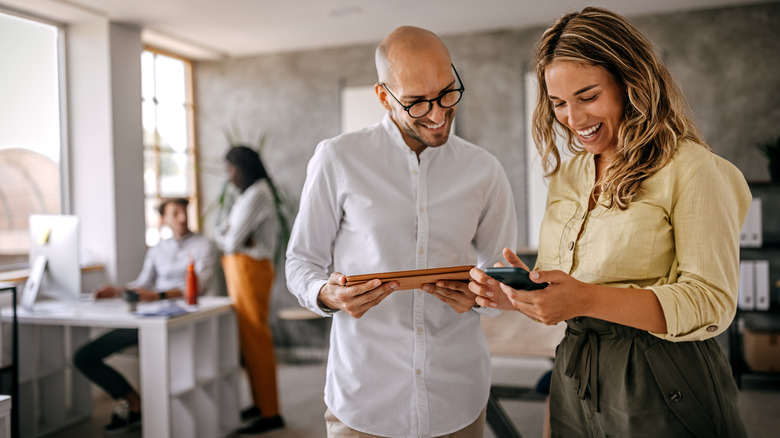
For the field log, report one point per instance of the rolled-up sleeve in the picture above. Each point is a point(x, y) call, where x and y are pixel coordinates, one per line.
point(709, 210)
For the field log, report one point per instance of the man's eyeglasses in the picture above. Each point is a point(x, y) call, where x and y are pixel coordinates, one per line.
point(420, 108)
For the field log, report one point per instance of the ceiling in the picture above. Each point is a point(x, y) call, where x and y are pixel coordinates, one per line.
point(214, 29)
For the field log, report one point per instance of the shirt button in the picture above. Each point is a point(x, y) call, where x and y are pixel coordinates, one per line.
point(571, 245)
point(675, 396)
point(419, 329)
point(712, 328)
point(418, 372)
point(421, 209)
point(422, 250)
point(414, 172)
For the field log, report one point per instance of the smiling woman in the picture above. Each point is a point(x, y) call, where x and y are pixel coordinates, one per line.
point(639, 244)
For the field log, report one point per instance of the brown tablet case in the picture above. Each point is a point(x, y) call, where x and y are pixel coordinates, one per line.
point(414, 279)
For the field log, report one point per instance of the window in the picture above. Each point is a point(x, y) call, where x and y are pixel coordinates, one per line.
point(169, 146)
point(31, 143)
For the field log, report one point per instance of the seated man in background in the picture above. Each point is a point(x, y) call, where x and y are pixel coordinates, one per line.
point(163, 276)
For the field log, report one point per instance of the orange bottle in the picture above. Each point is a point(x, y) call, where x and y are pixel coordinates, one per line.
point(192, 285)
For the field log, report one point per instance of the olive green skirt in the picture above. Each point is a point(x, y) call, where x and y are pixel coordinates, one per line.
point(611, 380)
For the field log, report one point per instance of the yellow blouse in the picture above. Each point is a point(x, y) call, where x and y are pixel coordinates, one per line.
point(679, 237)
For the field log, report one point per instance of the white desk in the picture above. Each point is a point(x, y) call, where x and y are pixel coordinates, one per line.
point(189, 367)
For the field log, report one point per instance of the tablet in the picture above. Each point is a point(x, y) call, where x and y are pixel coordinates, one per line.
point(414, 279)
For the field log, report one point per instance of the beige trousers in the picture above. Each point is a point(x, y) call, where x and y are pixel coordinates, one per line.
point(337, 429)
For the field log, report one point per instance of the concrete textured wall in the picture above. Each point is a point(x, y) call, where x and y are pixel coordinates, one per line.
point(727, 61)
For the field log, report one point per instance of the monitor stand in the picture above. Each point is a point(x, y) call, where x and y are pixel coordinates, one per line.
point(33, 285)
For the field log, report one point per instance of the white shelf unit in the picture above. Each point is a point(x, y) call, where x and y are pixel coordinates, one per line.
point(190, 369)
point(204, 369)
point(5, 416)
point(51, 394)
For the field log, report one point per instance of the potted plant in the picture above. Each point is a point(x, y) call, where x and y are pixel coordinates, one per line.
point(771, 151)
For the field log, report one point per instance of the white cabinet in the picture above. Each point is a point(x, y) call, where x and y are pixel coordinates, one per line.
point(5, 416)
point(189, 368)
point(204, 369)
point(51, 392)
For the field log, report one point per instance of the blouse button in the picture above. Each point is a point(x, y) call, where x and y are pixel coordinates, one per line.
point(571, 245)
point(712, 328)
point(675, 396)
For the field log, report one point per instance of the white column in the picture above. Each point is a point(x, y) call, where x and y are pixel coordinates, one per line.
point(105, 143)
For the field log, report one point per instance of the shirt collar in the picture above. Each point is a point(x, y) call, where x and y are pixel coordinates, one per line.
point(183, 240)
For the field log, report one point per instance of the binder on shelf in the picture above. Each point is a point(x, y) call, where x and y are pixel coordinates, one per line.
point(747, 291)
point(751, 235)
point(761, 284)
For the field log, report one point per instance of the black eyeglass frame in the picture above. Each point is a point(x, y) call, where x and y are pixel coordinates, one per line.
point(430, 102)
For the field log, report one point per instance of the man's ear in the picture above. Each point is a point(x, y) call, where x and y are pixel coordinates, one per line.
point(381, 93)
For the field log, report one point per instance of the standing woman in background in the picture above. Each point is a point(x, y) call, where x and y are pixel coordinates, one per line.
point(639, 242)
point(248, 237)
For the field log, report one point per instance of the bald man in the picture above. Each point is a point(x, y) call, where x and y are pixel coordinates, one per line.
point(402, 194)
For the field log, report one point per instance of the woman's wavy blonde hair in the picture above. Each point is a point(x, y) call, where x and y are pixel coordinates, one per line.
point(654, 118)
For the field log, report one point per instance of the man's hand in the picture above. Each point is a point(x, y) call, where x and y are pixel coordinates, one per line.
point(357, 299)
point(147, 295)
point(108, 292)
point(454, 293)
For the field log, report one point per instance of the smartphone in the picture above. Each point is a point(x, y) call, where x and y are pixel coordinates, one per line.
point(516, 278)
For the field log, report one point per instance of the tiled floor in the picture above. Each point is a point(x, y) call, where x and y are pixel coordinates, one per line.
point(301, 389)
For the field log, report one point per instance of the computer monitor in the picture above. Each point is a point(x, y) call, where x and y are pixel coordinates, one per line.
point(54, 240)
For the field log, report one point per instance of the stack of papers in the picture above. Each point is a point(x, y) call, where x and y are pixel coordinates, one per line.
point(160, 308)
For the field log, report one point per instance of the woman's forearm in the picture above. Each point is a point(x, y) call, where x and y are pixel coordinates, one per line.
point(638, 308)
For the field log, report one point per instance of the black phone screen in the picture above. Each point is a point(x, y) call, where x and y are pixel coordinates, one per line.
point(516, 278)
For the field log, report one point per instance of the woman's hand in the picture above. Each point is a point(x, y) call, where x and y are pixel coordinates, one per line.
point(565, 297)
point(488, 290)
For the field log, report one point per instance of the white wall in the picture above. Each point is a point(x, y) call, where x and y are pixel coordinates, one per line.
point(360, 107)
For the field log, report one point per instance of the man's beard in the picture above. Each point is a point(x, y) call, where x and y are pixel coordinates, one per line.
point(438, 140)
